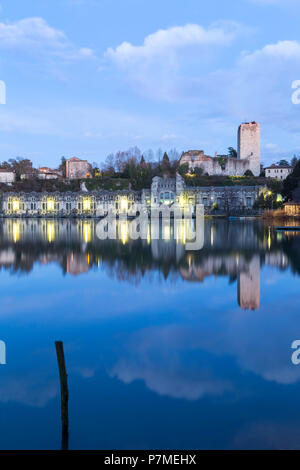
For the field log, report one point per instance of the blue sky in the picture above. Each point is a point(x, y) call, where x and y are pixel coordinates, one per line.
point(90, 77)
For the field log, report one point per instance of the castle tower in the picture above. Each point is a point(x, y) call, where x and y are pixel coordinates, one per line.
point(249, 145)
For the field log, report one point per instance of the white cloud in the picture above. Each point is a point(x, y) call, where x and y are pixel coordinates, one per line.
point(280, 50)
point(35, 35)
point(166, 41)
point(258, 87)
point(153, 67)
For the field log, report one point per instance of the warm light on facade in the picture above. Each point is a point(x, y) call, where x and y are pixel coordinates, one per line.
point(124, 204)
point(16, 205)
point(86, 204)
point(50, 205)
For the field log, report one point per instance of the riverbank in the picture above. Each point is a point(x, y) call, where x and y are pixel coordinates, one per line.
point(279, 215)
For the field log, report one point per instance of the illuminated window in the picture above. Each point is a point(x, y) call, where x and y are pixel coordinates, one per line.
point(16, 205)
point(87, 204)
point(124, 204)
point(50, 205)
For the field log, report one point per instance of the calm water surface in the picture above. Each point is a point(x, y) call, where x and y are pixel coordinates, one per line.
point(164, 348)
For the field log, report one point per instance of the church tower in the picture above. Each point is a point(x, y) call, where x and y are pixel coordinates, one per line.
point(249, 145)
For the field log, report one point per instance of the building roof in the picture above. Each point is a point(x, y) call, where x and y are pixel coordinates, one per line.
point(45, 168)
point(292, 203)
point(278, 167)
point(75, 159)
point(6, 170)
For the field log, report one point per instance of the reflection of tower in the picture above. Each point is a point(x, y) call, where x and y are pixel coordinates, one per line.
point(249, 285)
point(77, 263)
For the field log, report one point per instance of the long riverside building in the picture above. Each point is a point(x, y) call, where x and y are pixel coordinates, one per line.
point(170, 192)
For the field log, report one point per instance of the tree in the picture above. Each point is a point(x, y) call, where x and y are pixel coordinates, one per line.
point(248, 173)
point(166, 158)
point(159, 154)
point(21, 166)
point(121, 158)
point(149, 155)
point(109, 165)
point(165, 165)
point(198, 171)
point(183, 169)
point(173, 154)
point(294, 161)
point(296, 170)
point(62, 166)
point(143, 162)
point(283, 163)
point(5, 166)
point(232, 153)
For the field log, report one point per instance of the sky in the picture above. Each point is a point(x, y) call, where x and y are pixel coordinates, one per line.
point(89, 77)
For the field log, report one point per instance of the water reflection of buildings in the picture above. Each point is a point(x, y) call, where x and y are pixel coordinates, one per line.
point(78, 263)
point(236, 250)
point(246, 272)
point(249, 285)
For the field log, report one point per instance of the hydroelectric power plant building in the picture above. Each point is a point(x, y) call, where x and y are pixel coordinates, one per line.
point(164, 192)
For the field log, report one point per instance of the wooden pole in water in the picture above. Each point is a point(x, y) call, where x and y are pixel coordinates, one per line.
point(64, 393)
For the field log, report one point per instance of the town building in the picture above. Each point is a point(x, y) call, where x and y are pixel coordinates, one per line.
point(78, 169)
point(46, 173)
point(278, 172)
point(248, 158)
point(292, 208)
point(29, 175)
point(7, 176)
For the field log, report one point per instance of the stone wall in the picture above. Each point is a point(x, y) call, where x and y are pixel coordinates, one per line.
point(214, 165)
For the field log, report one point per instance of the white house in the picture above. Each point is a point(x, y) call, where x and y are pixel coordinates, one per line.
point(278, 172)
point(7, 176)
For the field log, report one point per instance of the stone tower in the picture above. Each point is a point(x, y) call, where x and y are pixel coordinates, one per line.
point(249, 145)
